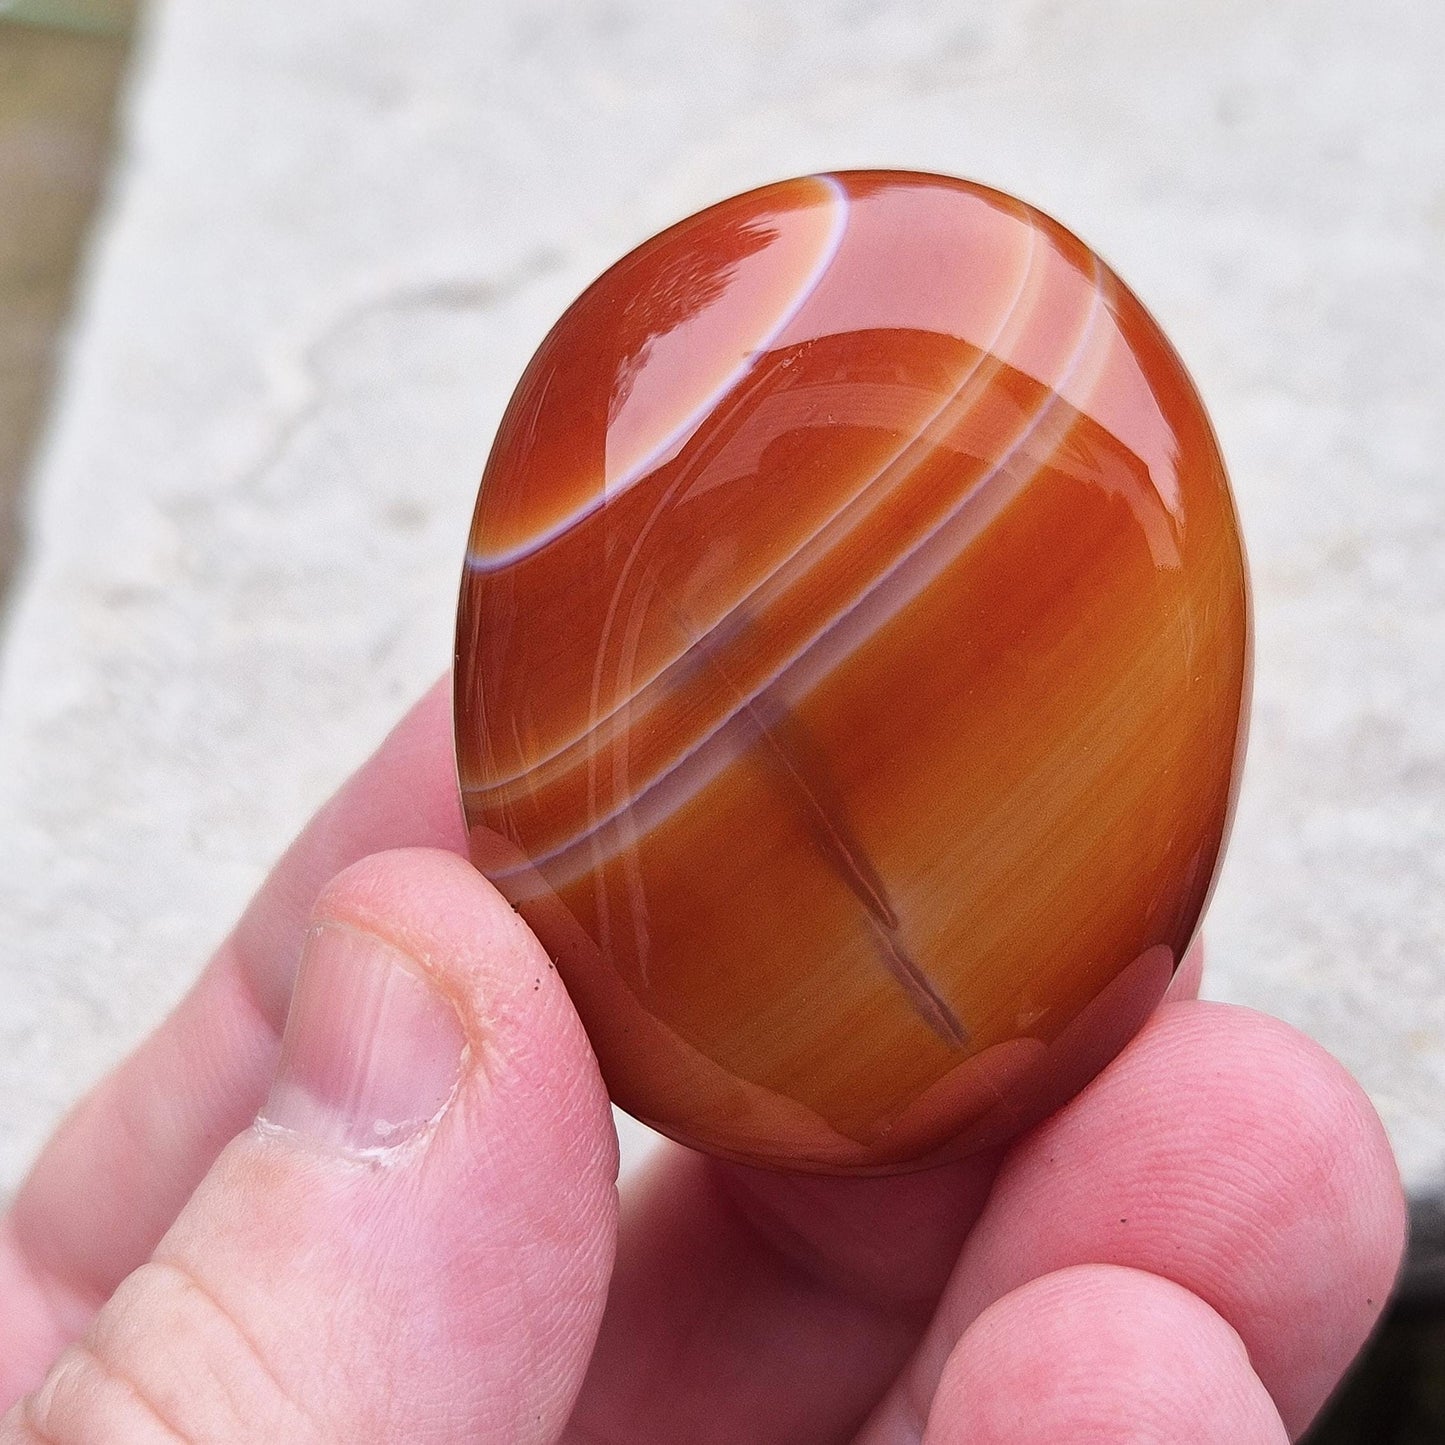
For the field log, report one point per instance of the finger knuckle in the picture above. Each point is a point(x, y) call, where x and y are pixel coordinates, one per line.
point(166, 1360)
point(85, 1398)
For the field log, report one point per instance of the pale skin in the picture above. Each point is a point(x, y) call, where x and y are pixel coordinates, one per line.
point(1191, 1251)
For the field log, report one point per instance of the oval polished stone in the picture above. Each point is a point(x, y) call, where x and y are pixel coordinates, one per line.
point(852, 669)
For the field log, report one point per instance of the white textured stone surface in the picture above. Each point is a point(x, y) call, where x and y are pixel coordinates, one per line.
point(339, 230)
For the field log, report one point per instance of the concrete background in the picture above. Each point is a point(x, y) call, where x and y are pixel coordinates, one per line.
point(338, 231)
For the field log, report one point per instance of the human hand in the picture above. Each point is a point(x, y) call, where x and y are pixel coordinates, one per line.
point(1192, 1250)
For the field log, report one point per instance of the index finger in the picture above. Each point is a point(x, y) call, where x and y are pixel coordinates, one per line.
point(118, 1170)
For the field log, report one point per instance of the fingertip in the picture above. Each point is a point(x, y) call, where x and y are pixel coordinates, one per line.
point(1076, 1354)
point(1231, 1153)
point(397, 886)
point(1287, 1104)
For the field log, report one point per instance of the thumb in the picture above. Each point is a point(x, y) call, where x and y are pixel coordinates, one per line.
point(414, 1240)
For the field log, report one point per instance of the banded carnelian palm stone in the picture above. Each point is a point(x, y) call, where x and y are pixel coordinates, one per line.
point(852, 669)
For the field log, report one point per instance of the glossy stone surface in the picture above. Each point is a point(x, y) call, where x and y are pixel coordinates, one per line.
point(852, 669)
